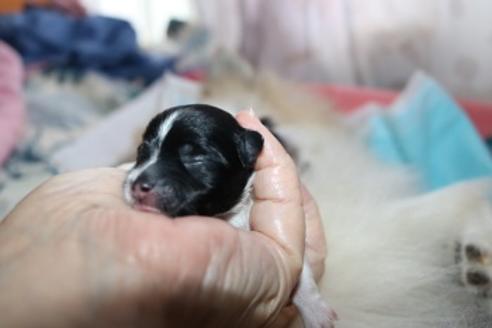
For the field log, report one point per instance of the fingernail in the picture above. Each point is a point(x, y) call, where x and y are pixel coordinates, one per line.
point(251, 112)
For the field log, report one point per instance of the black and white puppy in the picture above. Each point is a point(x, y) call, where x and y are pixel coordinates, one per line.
point(197, 160)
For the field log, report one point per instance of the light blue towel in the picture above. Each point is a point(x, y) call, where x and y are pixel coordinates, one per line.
point(427, 130)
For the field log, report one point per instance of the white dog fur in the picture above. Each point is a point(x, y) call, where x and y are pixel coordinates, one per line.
point(390, 259)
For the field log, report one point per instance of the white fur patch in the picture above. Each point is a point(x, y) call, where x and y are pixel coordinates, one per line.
point(135, 172)
point(238, 216)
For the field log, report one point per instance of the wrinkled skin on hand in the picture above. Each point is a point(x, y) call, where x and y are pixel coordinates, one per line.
point(74, 254)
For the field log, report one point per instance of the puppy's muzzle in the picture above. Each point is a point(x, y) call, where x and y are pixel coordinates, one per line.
point(143, 193)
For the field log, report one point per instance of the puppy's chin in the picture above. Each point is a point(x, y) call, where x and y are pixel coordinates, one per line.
point(130, 200)
point(147, 208)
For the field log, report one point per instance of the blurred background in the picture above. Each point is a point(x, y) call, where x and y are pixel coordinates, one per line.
point(80, 79)
point(378, 43)
point(150, 18)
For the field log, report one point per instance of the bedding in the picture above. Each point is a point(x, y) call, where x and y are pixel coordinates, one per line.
point(92, 43)
point(12, 108)
point(427, 130)
point(56, 113)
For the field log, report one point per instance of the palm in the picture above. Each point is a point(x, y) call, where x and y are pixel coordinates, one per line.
point(134, 263)
point(74, 244)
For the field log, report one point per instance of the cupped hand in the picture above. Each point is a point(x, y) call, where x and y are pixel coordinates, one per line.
point(74, 254)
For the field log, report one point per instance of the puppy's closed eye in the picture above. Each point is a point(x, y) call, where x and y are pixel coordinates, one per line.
point(191, 153)
point(200, 162)
point(194, 154)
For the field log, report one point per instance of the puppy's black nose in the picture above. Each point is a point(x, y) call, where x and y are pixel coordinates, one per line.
point(141, 189)
point(145, 187)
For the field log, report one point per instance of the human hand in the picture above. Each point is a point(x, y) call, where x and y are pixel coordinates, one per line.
point(74, 254)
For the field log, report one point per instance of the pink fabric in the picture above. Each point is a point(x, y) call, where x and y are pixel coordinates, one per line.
point(12, 106)
point(348, 98)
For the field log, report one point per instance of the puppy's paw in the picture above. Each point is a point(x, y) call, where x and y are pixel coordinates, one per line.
point(315, 312)
point(319, 315)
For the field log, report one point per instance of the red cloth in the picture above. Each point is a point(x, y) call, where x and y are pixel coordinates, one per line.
point(348, 98)
point(12, 106)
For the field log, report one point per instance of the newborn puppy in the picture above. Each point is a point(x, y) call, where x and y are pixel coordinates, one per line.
point(197, 160)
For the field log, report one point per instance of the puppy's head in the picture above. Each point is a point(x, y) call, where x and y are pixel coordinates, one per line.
point(193, 159)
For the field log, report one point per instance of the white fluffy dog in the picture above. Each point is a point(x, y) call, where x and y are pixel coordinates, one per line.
point(391, 249)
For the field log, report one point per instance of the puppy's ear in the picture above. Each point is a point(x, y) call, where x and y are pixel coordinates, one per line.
point(249, 145)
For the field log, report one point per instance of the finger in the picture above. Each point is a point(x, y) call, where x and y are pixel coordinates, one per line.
point(315, 237)
point(277, 210)
point(100, 185)
point(286, 317)
point(126, 166)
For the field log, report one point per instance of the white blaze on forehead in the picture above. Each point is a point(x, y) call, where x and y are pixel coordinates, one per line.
point(135, 172)
point(166, 125)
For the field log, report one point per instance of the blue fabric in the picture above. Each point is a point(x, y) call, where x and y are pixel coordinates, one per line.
point(98, 43)
point(429, 131)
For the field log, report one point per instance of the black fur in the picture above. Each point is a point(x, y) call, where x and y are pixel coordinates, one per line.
point(203, 163)
point(291, 150)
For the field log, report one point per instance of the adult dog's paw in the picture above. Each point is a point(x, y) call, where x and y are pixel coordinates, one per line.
point(474, 254)
point(476, 268)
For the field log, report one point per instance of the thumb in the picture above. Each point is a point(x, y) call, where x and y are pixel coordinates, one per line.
point(277, 210)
